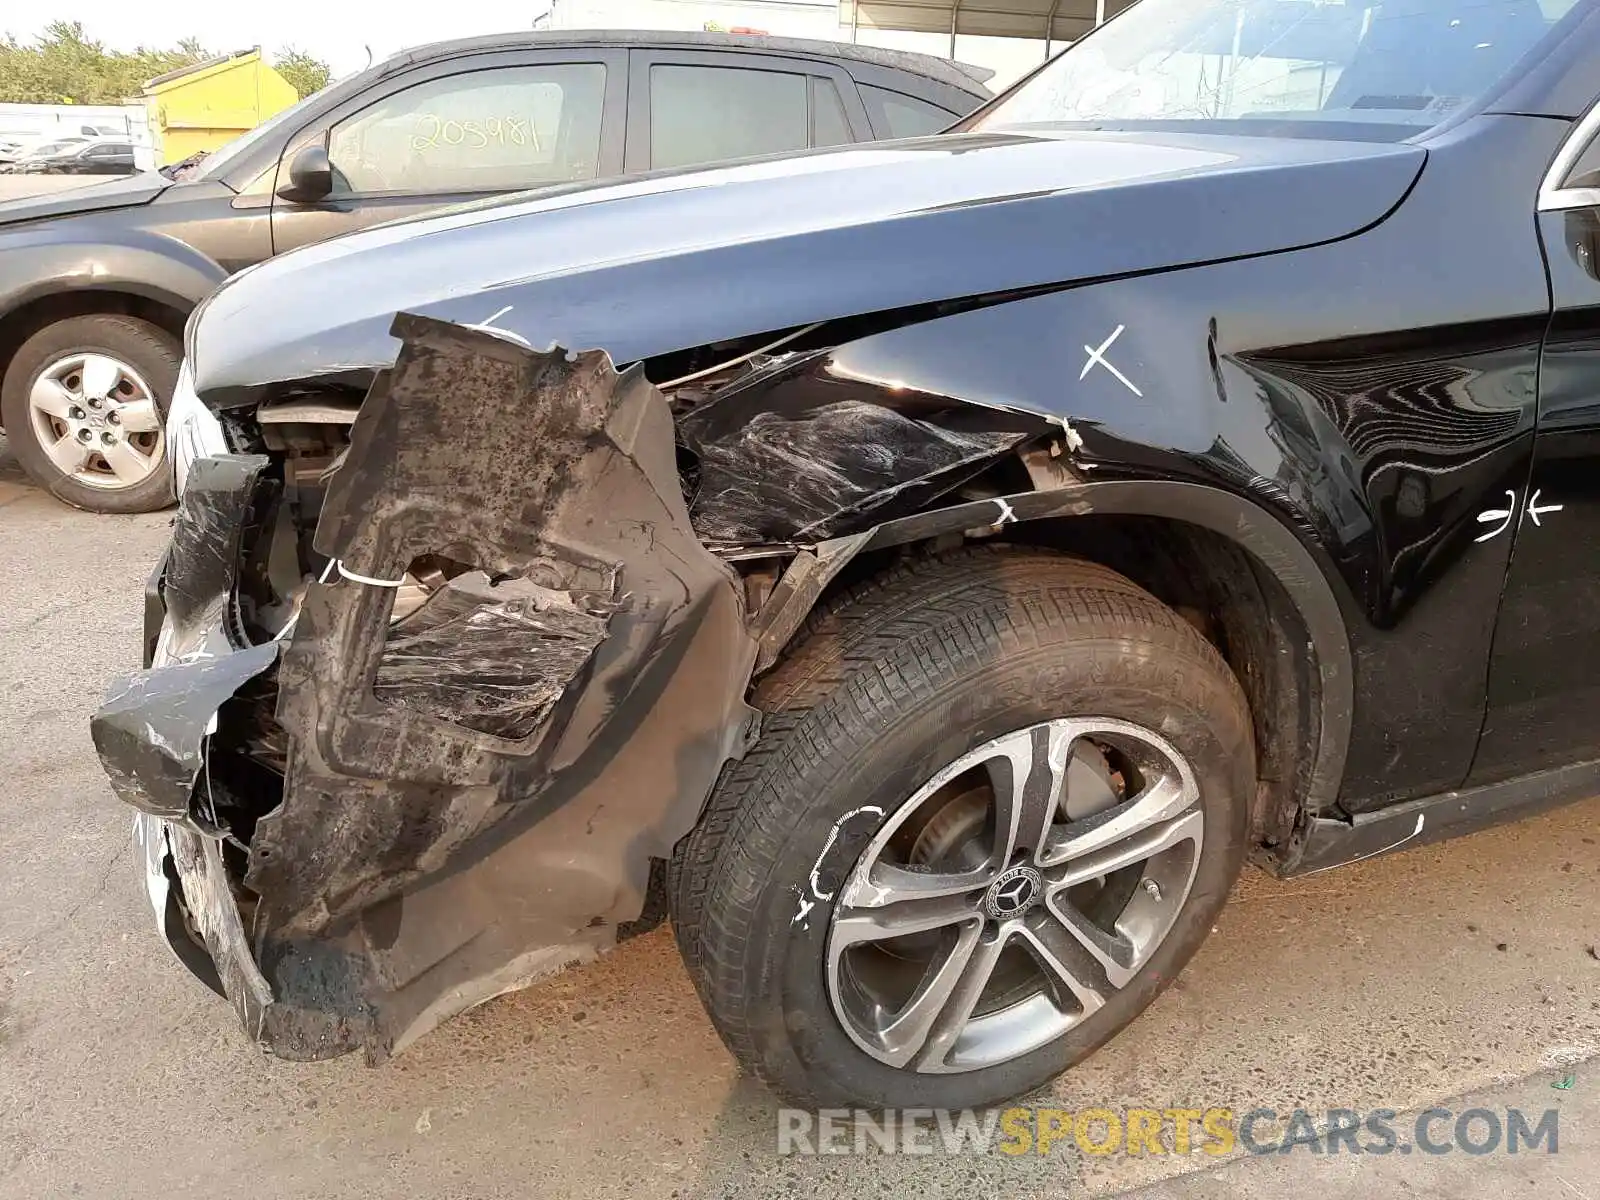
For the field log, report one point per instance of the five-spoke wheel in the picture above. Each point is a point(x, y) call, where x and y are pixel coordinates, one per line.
point(997, 801)
point(1008, 898)
point(96, 418)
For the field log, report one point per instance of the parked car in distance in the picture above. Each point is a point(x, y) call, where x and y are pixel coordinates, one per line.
point(929, 571)
point(442, 124)
point(13, 162)
point(99, 156)
point(17, 145)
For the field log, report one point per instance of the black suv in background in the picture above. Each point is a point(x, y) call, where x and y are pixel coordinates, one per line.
point(95, 285)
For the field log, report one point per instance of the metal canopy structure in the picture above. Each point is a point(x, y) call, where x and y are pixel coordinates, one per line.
point(1051, 20)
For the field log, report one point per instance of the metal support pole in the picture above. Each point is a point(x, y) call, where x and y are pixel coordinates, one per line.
point(1050, 27)
point(855, 20)
point(1099, 13)
point(955, 15)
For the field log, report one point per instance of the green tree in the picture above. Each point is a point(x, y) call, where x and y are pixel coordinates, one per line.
point(64, 66)
point(303, 73)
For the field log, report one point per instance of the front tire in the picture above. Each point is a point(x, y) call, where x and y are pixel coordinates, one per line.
point(83, 403)
point(997, 802)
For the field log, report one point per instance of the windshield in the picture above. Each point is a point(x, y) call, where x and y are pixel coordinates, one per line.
point(1402, 64)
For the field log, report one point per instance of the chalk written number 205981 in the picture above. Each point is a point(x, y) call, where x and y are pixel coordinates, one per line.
point(432, 131)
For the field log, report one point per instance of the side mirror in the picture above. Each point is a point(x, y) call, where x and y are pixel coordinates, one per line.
point(310, 175)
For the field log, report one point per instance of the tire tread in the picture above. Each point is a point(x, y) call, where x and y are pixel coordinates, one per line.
point(890, 641)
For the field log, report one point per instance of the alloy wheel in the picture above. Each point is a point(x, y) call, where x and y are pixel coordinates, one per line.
point(1011, 896)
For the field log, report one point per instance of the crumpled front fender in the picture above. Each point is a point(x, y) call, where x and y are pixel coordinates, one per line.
point(472, 795)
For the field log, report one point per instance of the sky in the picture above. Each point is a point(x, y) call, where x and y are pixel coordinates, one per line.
point(341, 32)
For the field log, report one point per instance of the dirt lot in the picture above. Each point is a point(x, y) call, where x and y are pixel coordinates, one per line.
point(1393, 983)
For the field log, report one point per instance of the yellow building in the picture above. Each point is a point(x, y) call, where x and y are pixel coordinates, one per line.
point(205, 105)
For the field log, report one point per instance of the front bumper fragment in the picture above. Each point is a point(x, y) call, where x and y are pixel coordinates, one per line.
point(470, 798)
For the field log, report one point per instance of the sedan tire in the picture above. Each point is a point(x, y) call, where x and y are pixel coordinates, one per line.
point(997, 801)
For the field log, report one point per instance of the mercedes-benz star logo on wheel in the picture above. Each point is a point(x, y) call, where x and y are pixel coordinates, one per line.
point(1014, 893)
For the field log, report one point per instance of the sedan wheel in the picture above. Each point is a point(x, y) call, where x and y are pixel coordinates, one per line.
point(997, 802)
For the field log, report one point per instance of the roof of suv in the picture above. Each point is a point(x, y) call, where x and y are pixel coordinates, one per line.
point(965, 76)
point(243, 160)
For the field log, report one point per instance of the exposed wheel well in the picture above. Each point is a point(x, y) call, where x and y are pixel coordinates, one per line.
point(1234, 602)
point(21, 323)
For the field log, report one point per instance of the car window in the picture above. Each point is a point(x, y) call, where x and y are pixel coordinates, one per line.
point(828, 124)
point(1585, 173)
point(495, 130)
point(703, 114)
point(895, 115)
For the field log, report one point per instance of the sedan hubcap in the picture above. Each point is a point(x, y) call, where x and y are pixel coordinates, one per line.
point(1014, 894)
point(96, 419)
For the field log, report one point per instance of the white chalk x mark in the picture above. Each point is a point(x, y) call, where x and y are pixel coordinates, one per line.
point(488, 326)
point(1097, 357)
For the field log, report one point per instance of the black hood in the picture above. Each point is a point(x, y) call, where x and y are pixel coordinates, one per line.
point(669, 261)
point(127, 191)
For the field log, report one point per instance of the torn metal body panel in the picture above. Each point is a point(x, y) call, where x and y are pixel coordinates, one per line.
point(152, 728)
point(493, 657)
point(470, 795)
point(803, 452)
point(783, 479)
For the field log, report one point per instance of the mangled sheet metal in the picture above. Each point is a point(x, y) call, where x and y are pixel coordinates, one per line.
point(152, 728)
point(472, 795)
point(527, 467)
point(800, 453)
point(491, 656)
point(783, 478)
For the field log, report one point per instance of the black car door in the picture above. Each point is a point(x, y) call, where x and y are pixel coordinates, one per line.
point(690, 107)
point(460, 130)
point(1544, 679)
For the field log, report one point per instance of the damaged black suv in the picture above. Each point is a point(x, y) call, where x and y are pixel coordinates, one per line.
point(926, 570)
